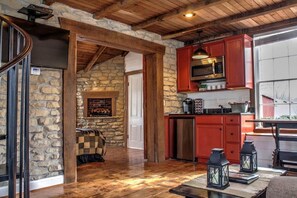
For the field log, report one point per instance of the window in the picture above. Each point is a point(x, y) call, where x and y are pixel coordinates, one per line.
point(276, 75)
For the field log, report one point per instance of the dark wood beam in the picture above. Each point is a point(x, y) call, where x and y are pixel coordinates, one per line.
point(69, 112)
point(118, 5)
point(195, 6)
point(49, 2)
point(111, 38)
point(125, 53)
point(95, 58)
point(234, 18)
point(154, 107)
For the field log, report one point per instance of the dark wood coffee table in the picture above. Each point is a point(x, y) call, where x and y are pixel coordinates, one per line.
point(196, 188)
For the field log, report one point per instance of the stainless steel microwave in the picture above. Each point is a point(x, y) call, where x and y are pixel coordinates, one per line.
point(208, 68)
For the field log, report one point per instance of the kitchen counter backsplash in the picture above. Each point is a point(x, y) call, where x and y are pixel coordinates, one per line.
point(214, 99)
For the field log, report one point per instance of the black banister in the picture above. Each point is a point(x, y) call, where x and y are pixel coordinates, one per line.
point(18, 49)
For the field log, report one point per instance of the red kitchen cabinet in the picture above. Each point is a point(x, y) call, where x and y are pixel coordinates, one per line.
point(235, 128)
point(184, 57)
point(166, 129)
point(239, 62)
point(221, 131)
point(208, 137)
point(216, 48)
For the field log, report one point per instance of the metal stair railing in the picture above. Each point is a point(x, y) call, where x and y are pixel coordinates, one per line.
point(16, 46)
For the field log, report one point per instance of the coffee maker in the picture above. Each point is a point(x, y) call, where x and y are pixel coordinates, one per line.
point(188, 106)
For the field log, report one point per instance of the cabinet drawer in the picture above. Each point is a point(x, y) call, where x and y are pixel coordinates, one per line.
point(232, 151)
point(211, 119)
point(232, 119)
point(233, 133)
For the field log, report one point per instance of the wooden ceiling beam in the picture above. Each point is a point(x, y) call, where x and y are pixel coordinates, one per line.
point(234, 18)
point(48, 2)
point(109, 38)
point(195, 6)
point(125, 53)
point(95, 58)
point(113, 8)
point(254, 30)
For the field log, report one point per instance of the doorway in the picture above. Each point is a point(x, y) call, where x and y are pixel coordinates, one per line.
point(135, 130)
point(153, 88)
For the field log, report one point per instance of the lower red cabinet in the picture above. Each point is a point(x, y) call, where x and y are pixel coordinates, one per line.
point(221, 131)
point(207, 138)
point(232, 151)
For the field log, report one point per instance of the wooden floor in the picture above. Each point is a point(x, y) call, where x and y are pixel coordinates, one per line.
point(125, 174)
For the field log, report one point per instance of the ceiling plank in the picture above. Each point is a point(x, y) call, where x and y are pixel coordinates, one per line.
point(113, 8)
point(195, 6)
point(95, 58)
point(234, 18)
point(251, 31)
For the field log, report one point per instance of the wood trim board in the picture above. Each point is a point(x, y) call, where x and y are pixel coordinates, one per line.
point(69, 112)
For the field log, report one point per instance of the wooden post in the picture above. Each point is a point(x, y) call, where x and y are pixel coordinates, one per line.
point(154, 107)
point(69, 104)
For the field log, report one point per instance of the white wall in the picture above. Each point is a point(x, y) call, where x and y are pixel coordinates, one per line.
point(215, 98)
point(265, 145)
point(133, 61)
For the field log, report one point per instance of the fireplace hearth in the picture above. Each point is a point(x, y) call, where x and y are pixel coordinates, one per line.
point(99, 107)
point(100, 103)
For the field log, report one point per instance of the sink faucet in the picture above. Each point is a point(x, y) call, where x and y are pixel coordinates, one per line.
point(222, 108)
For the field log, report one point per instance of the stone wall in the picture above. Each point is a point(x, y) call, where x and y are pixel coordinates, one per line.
point(108, 76)
point(46, 143)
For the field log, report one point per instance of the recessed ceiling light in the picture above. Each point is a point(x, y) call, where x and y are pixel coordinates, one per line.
point(189, 14)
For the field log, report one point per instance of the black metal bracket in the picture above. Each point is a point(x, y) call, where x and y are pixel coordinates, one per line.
point(33, 12)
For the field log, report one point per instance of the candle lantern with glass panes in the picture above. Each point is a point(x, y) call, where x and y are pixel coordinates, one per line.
point(248, 157)
point(218, 170)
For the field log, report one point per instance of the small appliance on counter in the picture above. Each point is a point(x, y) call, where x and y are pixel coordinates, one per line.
point(198, 106)
point(188, 106)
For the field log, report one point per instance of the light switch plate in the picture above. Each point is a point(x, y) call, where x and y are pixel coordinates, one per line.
point(35, 71)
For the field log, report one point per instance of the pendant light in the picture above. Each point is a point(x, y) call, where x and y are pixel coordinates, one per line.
point(200, 53)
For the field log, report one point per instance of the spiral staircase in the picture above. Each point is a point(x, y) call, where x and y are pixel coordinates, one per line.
point(15, 49)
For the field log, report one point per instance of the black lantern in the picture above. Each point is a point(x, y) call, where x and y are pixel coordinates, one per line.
point(248, 157)
point(218, 170)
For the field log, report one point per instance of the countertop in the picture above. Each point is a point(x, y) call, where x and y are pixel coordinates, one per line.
point(204, 114)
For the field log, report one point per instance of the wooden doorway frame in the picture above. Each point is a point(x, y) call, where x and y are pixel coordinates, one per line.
point(153, 84)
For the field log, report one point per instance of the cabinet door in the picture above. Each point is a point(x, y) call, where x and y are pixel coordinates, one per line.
point(234, 62)
point(184, 83)
point(207, 138)
point(238, 59)
point(215, 48)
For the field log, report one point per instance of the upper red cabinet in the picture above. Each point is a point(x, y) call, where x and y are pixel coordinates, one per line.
point(216, 48)
point(184, 57)
point(238, 62)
